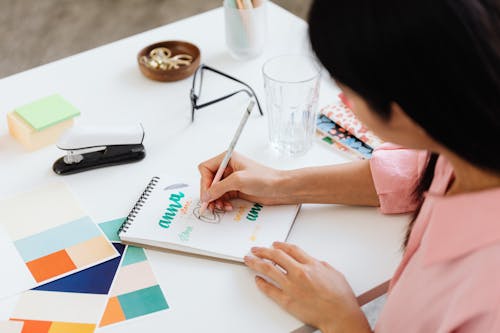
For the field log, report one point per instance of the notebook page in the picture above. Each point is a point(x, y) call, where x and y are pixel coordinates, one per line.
point(170, 215)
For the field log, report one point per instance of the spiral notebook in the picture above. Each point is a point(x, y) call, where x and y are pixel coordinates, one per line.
point(167, 216)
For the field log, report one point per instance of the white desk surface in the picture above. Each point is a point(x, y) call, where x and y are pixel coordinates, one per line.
point(106, 85)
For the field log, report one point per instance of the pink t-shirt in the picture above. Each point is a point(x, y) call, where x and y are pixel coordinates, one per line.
point(449, 277)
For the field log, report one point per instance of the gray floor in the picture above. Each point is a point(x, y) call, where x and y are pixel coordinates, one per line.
point(34, 32)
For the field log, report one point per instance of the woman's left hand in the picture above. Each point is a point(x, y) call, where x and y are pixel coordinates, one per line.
point(311, 290)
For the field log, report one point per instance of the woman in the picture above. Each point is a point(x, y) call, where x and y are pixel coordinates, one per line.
point(424, 75)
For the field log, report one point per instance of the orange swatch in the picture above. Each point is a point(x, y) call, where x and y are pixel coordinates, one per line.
point(113, 313)
point(34, 326)
point(51, 266)
point(58, 327)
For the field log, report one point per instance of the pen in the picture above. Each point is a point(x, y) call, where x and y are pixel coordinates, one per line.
point(229, 151)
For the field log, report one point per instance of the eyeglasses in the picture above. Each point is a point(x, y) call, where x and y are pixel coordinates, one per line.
point(197, 84)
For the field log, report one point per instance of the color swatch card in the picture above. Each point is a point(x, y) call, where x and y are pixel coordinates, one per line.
point(135, 291)
point(11, 327)
point(167, 215)
point(72, 304)
point(109, 293)
point(45, 235)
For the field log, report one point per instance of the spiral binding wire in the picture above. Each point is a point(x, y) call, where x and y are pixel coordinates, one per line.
point(138, 205)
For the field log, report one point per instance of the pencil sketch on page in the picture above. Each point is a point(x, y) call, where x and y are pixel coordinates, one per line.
point(208, 216)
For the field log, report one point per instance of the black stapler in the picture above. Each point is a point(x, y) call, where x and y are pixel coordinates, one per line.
point(90, 148)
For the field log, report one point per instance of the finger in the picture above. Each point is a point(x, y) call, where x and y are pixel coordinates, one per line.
point(207, 171)
point(205, 185)
point(285, 261)
point(266, 268)
point(213, 163)
point(226, 202)
point(227, 172)
point(219, 204)
point(217, 190)
point(228, 206)
point(206, 180)
point(294, 251)
point(271, 291)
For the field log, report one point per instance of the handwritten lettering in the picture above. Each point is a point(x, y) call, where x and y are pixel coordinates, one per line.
point(239, 214)
point(184, 236)
point(253, 214)
point(171, 211)
point(253, 237)
point(185, 208)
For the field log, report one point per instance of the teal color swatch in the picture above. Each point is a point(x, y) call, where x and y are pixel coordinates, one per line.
point(132, 255)
point(47, 111)
point(110, 228)
point(56, 239)
point(142, 302)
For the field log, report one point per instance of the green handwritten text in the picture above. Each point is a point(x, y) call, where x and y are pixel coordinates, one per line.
point(172, 209)
point(184, 236)
point(253, 214)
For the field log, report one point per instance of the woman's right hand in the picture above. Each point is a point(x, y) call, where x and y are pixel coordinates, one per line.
point(243, 178)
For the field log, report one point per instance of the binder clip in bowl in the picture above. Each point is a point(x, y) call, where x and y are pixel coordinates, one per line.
point(90, 148)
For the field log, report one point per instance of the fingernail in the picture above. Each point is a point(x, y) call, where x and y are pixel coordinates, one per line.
point(254, 249)
point(228, 207)
point(205, 196)
point(218, 205)
point(247, 258)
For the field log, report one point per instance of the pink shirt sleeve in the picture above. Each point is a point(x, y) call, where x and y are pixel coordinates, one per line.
point(396, 171)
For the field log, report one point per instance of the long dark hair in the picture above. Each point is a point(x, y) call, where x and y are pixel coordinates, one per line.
point(438, 59)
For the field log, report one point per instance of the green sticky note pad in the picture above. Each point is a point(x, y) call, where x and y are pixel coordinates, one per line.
point(47, 111)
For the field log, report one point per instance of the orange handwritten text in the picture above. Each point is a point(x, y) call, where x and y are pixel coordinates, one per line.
point(184, 209)
point(253, 237)
point(239, 214)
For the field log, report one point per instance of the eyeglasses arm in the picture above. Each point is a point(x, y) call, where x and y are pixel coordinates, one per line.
point(203, 66)
point(223, 98)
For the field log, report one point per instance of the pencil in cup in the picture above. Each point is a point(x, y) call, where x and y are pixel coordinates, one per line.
point(229, 151)
point(246, 26)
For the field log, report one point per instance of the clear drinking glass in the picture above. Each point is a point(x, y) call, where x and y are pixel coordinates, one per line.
point(245, 28)
point(292, 85)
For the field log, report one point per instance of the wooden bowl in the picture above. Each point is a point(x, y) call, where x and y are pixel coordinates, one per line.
point(174, 74)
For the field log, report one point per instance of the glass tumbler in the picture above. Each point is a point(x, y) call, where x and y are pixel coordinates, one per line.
point(291, 84)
